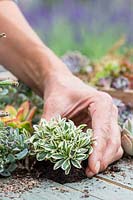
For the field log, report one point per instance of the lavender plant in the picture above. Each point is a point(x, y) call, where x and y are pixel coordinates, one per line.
point(61, 142)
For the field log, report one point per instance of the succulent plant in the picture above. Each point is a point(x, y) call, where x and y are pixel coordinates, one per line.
point(3, 83)
point(77, 62)
point(4, 91)
point(104, 82)
point(13, 145)
point(120, 83)
point(109, 70)
point(19, 118)
point(127, 137)
point(61, 142)
point(17, 95)
point(13, 148)
point(125, 111)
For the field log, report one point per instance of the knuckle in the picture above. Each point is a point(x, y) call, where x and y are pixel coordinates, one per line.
point(106, 129)
point(105, 97)
point(114, 144)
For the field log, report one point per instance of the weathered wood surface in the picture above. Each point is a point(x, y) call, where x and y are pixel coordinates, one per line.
point(46, 191)
point(111, 185)
point(105, 186)
point(123, 178)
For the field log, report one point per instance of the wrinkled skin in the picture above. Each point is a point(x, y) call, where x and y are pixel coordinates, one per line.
point(64, 94)
point(71, 98)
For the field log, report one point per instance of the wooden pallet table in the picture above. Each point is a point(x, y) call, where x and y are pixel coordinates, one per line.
point(105, 186)
point(110, 186)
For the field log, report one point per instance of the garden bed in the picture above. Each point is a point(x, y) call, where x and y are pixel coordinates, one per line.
point(25, 184)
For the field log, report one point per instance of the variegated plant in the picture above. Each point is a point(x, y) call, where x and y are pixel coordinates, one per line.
point(61, 142)
point(127, 137)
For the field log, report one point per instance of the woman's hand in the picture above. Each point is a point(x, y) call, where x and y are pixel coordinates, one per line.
point(71, 98)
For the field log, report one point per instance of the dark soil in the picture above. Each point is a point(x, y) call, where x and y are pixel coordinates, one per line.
point(45, 170)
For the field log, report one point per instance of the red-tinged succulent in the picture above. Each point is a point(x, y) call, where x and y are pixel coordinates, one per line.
point(21, 118)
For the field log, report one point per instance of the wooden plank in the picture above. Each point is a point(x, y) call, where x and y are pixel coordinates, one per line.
point(49, 190)
point(96, 188)
point(124, 177)
point(117, 185)
point(102, 189)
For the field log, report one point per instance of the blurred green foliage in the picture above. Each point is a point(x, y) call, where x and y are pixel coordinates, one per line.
point(62, 39)
point(89, 26)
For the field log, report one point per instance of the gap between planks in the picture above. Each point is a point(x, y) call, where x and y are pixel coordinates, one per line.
point(114, 183)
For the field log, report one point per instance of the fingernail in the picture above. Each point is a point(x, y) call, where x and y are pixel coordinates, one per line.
point(97, 167)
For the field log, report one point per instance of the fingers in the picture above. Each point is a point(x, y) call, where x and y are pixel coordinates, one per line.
point(100, 110)
point(104, 164)
point(106, 129)
point(95, 159)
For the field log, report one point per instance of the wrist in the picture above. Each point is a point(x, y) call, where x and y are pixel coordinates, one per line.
point(49, 68)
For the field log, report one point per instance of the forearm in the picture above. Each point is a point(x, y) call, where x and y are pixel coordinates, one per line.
point(23, 53)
